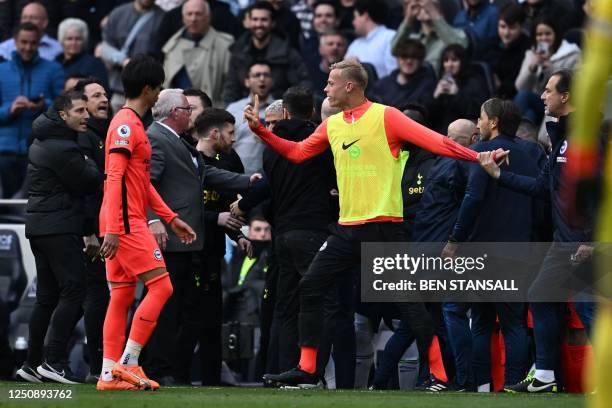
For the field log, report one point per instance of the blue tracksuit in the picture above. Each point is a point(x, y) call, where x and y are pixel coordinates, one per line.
point(548, 317)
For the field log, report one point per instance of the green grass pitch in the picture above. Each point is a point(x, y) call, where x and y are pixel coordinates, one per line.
point(85, 396)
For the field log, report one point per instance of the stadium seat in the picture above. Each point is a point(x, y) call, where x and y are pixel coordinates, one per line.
point(13, 278)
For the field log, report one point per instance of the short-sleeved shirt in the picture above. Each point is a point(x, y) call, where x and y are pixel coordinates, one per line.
point(126, 135)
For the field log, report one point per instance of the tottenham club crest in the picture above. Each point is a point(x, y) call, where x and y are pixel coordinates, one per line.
point(157, 254)
point(124, 131)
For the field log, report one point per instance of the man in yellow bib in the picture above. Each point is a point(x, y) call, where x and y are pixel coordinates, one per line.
point(365, 139)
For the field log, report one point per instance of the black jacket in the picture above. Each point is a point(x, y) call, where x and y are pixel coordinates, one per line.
point(465, 104)
point(300, 192)
point(506, 64)
point(418, 90)
point(550, 183)
point(91, 143)
point(487, 207)
point(415, 180)
point(216, 201)
point(288, 68)
point(440, 202)
point(59, 177)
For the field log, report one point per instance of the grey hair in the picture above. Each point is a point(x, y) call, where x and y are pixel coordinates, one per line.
point(168, 99)
point(275, 107)
point(77, 23)
point(206, 6)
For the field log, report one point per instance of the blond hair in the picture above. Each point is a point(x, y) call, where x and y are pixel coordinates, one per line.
point(353, 71)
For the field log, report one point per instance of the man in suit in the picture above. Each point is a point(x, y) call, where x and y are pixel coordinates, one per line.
point(179, 175)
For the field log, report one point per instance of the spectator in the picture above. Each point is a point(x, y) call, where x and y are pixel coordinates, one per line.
point(273, 114)
point(346, 11)
point(459, 93)
point(28, 84)
point(250, 149)
point(60, 176)
point(198, 102)
point(412, 82)
point(506, 56)
point(373, 44)
point(73, 35)
point(549, 53)
point(564, 12)
point(303, 11)
point(72, 80)
point(325, 20)
point(93, 12)
point(138, 22)
point(479, 20)
point(221, 18)
point(332, 48)
point(36, 14)
point(423, 21)
point(261, 45)
point(286, 22)
point(197, 56)
point(214, 131)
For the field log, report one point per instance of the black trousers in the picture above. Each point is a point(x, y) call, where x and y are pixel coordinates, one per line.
point(339, 333)
point(294, 251)
point(162, 352)
point(340, 256)
point(267, 358)
point(61, 275)
point(201, 323)
point(96, 303)
point(6, 354)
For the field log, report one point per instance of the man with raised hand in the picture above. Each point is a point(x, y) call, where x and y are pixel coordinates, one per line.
point(365, 140)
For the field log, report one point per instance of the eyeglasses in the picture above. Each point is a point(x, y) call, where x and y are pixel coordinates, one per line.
point(187, 108)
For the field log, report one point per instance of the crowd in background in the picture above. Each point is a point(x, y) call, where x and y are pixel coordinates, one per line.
point(437, 61)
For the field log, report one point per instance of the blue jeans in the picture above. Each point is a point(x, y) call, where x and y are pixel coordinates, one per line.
point(512, 319)
point(531, 106)
point(460, 340)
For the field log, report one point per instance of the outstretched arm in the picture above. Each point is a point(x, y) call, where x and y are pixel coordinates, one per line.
point(400, 128)
point(296, 152)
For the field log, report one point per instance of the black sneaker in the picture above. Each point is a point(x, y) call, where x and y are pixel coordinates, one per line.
point(29, 374)
point(533, 385)
point(92, 378)
point(58, 372)
point(294, 378)
point(436, 385)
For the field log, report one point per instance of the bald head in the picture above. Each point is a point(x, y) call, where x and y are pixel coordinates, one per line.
point(36, 14)
point(462, 131)
point(327, 110)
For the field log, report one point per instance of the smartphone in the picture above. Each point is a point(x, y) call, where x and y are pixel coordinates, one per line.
point(36, 99)
point(448, 78)
point(542, 48)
